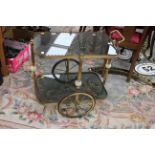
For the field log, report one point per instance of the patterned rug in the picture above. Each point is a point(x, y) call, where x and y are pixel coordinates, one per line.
point(129, 105)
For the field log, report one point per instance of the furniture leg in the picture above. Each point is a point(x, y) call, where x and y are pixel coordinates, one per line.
point(82, 28)
point(133, 62)
point(96, 28)
point(3, 66)
point(151, 46)
point(149, 40)
point(136, 54)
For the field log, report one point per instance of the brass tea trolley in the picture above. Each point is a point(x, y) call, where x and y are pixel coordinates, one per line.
point(77, 103)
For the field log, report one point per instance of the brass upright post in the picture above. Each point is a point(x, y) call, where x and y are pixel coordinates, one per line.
point(80, 67)
point(78, 82)
point(33, 66)
point(107, 66)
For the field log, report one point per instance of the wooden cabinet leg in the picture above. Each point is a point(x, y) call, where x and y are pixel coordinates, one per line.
point(3, 66)
point(4, 70)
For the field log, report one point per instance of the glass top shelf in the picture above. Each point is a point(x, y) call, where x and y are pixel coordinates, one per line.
point(87, 43)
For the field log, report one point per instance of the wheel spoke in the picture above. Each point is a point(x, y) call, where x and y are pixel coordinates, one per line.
point(60, 69)
point(73, 66)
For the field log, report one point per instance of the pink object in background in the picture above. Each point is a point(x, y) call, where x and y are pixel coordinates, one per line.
point(135, 38)
point(26, 53)
point(15, 63)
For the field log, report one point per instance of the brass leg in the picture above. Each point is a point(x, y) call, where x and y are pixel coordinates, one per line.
point(78, 82)
point(106, 68)
point(34, 68)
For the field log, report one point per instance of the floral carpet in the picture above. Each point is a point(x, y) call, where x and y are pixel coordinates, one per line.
point(129, 105)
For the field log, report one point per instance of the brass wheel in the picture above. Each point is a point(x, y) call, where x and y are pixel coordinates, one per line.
point(76, 105)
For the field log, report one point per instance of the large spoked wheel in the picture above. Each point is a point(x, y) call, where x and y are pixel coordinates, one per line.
point(65, 70)
point(76, 105)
